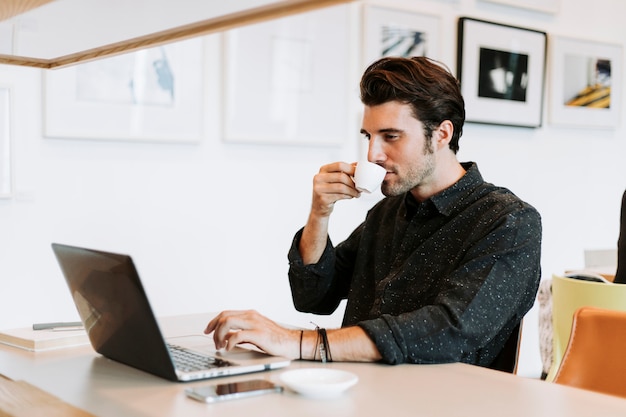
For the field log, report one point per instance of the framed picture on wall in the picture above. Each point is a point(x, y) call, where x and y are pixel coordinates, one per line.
point(586, 84)
point(390, 32)
point(502, 72)
point(547, 6)
point(154, 94)
point(286, 81)
point(6, 151)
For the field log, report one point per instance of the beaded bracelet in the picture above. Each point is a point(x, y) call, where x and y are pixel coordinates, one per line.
point(324, 347)
point(322, 344)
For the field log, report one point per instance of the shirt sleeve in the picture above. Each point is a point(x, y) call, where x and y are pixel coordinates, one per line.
point(317, 288)
point(477, 304)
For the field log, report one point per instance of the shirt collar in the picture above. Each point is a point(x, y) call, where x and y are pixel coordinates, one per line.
point(445, 201)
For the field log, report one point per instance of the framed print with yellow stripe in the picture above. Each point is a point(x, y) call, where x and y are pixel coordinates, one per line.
point(585, 83)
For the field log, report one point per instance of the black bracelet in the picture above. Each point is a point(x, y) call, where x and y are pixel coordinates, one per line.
point(325, 346)
point(301, 334)
point(321, 342)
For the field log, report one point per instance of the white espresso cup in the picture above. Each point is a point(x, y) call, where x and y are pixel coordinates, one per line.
point(368, 176)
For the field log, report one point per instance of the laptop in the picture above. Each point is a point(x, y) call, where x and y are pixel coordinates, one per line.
point(117, 316)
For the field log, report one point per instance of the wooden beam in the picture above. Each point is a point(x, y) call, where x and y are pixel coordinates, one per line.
point(12, 8)
point(218, 24)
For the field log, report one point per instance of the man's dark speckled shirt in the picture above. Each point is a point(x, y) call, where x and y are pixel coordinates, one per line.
point(446, 280)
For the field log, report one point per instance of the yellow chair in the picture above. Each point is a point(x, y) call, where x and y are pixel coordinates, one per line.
point(594, 358)
point(568, 295)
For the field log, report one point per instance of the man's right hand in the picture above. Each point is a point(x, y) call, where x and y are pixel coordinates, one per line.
point(332, 183)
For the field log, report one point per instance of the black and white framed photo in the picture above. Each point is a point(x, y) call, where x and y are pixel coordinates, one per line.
point(392, 32)
point(585, 87)
point(502, 72)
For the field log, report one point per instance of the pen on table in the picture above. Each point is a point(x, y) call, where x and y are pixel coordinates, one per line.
point(72, 325)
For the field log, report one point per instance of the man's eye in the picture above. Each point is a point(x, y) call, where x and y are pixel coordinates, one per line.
point(366, 137)
point(391, 137)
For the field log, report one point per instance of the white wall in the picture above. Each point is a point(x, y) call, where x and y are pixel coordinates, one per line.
point(209, 224)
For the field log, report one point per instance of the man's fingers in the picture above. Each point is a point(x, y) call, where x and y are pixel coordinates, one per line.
point(227, 323)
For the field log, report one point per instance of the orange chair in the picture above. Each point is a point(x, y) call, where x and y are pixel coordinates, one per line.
point(568, 295)
point(595, 357)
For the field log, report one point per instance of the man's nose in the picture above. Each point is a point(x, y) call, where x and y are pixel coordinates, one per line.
point(375, 152)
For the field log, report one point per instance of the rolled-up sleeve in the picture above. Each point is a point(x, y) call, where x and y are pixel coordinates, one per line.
point(314, 287)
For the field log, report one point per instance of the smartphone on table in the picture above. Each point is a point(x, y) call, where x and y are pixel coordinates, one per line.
point(233, 390)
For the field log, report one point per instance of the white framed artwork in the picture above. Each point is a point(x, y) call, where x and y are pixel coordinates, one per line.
point(392, 32)
point(6, 143)
point(546, 6)
point(286, 81)
point(154, 94)
point(586, 86)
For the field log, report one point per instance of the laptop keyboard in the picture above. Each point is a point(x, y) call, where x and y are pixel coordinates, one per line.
point(188, 361)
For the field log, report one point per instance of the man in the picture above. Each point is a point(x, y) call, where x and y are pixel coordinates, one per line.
point(442, 270)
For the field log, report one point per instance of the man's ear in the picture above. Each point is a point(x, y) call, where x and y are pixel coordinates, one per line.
point(443, 134)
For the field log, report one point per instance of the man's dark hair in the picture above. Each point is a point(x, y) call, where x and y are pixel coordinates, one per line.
point(426, 85)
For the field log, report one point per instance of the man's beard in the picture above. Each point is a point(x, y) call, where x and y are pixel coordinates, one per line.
point(415, 176)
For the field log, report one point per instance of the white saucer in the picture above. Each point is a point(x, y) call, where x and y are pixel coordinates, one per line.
point(319, 382)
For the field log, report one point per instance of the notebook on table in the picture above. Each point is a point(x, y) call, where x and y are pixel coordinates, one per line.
point(121, 325)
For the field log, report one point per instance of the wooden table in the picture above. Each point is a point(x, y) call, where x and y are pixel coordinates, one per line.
point(86, 380)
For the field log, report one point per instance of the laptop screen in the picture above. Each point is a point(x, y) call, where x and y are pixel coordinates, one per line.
point(114, 308)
